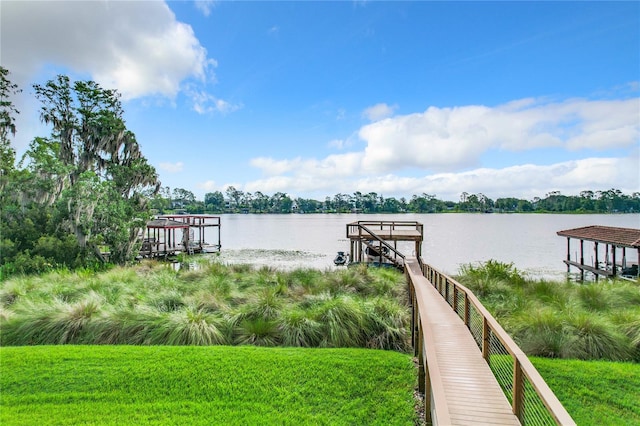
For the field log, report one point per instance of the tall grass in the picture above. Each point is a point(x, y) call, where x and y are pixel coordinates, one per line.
point(589, 321)
point(153, 304)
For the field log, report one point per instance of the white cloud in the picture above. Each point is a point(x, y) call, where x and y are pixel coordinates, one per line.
point(524, 181)
point(171, 167)
point(137, 47)
point(453, 141)
point(342, 165)
point(272, 167)
point(379, 111)
point(208, 186)
point(337, 143)
point(205, 103)
point(455, 138)
point(205, 6)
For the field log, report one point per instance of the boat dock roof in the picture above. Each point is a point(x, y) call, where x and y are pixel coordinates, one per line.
point(620, 237)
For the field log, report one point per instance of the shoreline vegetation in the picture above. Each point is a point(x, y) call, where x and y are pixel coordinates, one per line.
point(153, 304)
point(569, 320)
point(234, 304)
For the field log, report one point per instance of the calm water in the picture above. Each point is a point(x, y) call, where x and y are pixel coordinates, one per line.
point(451, 240)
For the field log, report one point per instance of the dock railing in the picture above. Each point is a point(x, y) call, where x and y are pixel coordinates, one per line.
point(531, 399)
point(370, 234)
point(385, 226)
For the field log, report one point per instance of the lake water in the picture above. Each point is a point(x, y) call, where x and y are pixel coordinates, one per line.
point(529, 241)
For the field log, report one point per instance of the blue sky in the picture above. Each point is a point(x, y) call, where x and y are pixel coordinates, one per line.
point(318, 98)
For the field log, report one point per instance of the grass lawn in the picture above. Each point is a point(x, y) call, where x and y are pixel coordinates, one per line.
point(595, 392)
point(115, 385)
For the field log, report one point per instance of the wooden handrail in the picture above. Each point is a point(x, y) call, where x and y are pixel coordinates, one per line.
point(372, 234)
point(522, 366)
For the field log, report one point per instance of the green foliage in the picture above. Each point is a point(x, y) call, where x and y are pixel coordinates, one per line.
point(597, 320)
point(214, 304)
point(8, 114)
point(112, 385)
point(81, 188)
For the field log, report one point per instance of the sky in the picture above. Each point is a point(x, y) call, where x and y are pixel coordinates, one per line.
point(507, 99)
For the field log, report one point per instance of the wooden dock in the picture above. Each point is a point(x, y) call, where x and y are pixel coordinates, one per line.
point(472, 394)
point(376, 241)
point(610, 262)
point(174, 234)
point(469, 369)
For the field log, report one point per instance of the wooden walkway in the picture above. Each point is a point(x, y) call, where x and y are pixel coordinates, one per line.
point(455, 338)
point(472, 393)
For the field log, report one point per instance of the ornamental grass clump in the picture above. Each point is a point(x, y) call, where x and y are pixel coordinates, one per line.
point(343, 321)
point(190, 326)
point(299, 328)
point(154, 304)
point(386, 327)
point(541, 332)
point(590, 321)
point(596, 338)
point(54, 323)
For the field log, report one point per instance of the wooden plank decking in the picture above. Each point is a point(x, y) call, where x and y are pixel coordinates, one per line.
point(473, 395)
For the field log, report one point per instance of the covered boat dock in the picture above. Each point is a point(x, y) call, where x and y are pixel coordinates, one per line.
point(614, 260)
point(173, 234)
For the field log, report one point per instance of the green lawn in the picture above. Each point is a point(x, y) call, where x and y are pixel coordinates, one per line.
point(595, 392)
point(115, 385)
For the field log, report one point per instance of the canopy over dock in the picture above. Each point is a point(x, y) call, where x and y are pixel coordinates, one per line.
point(616, 242)
point(169, 235)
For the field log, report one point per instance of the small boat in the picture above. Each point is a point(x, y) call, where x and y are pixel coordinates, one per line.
point(630, 272)
point(211, 248)
point(341, 258)
point(373, 253)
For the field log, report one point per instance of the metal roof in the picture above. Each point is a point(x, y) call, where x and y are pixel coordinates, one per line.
point(621, 237)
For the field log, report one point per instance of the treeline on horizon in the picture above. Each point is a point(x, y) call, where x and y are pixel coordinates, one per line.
point(236, 201)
